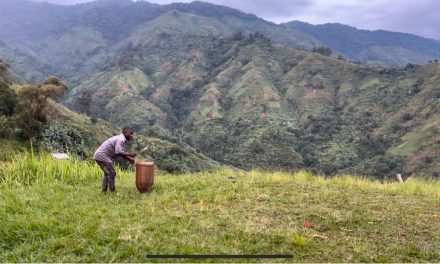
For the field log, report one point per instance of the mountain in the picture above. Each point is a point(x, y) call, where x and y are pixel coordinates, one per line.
point(386, 47)
point(243, 91)
point(248, 102)
point(87, 35)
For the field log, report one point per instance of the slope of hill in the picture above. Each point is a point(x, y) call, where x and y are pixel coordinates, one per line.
point(363, 45)
point(390, 55)
point(85, 135)
point(61, 216)
point(26, 66)
point(249, 103)
point(24, 21)
point(79, 135)
point(238, 21)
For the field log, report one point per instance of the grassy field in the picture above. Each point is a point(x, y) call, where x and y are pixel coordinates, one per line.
point(53, 211)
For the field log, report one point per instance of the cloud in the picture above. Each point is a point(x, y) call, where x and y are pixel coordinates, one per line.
point(418, 17)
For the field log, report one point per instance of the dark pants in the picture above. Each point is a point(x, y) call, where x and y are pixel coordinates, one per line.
point(108, 181)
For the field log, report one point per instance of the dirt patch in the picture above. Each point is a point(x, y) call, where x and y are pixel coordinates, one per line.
point(124, 87)
point(271, 96)
point(316, 94)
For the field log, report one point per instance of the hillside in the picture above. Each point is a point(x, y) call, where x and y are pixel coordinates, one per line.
point(85, 135)
point(59, 215)
point(62, 130)
point(21, 62)
point(250, 103)
point(26, 22)
point(80, 136)
point(379, 46)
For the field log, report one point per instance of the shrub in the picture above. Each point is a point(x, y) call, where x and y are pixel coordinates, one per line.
point(62, 137)
point(6, 125)
point(407, 117)
point(8, 99)
point(94, 120)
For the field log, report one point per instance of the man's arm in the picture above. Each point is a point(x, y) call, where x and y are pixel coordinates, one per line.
point(119, 150)
point(128, 156)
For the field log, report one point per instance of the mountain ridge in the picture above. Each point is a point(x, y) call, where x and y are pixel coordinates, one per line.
point(351, 42)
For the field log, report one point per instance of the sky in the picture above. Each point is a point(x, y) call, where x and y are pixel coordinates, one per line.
point(420, 17)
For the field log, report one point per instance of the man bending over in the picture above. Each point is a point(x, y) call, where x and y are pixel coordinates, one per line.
point(108, 151)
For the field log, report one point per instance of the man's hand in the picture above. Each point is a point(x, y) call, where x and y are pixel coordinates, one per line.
point(128, 156)
point(131, 160)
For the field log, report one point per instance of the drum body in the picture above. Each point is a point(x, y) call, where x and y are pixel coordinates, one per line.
point(144, 176)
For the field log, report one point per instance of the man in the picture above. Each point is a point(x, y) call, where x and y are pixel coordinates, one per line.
point(106, 154)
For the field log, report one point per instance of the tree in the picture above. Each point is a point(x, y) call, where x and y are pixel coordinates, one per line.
point(237, 36)
point(323, 51)
point(84, 101)
point(32, 105)
point(8, 99)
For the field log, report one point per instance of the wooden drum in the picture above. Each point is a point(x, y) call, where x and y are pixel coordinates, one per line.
point(144, 176)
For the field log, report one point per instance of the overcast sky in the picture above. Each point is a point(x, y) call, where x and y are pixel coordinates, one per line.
point(420, 17)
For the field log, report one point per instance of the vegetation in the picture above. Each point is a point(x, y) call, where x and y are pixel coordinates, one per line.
point(8, 98)
point(21, 62)
point(52, 211)
point(246, 102)
point(32, 105)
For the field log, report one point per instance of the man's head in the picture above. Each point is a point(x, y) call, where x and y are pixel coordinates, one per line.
point(128, 133)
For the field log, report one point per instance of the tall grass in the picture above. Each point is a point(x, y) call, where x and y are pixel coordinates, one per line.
point(415, 186)
point(26, 169)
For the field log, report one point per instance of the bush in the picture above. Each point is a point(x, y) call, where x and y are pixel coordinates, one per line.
point(380, 167)
point(407, 117)
point(94, 120)
point(8, 99)
point(62, 137)
point(6, 125)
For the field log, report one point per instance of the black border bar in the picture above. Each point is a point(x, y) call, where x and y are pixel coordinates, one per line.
point(219, 256)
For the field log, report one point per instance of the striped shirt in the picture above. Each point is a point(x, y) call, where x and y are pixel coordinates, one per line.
point(109, 150)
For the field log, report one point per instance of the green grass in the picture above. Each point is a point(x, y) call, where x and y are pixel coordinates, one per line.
point(10, 147)
point(415, 140)
point(53, 211)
